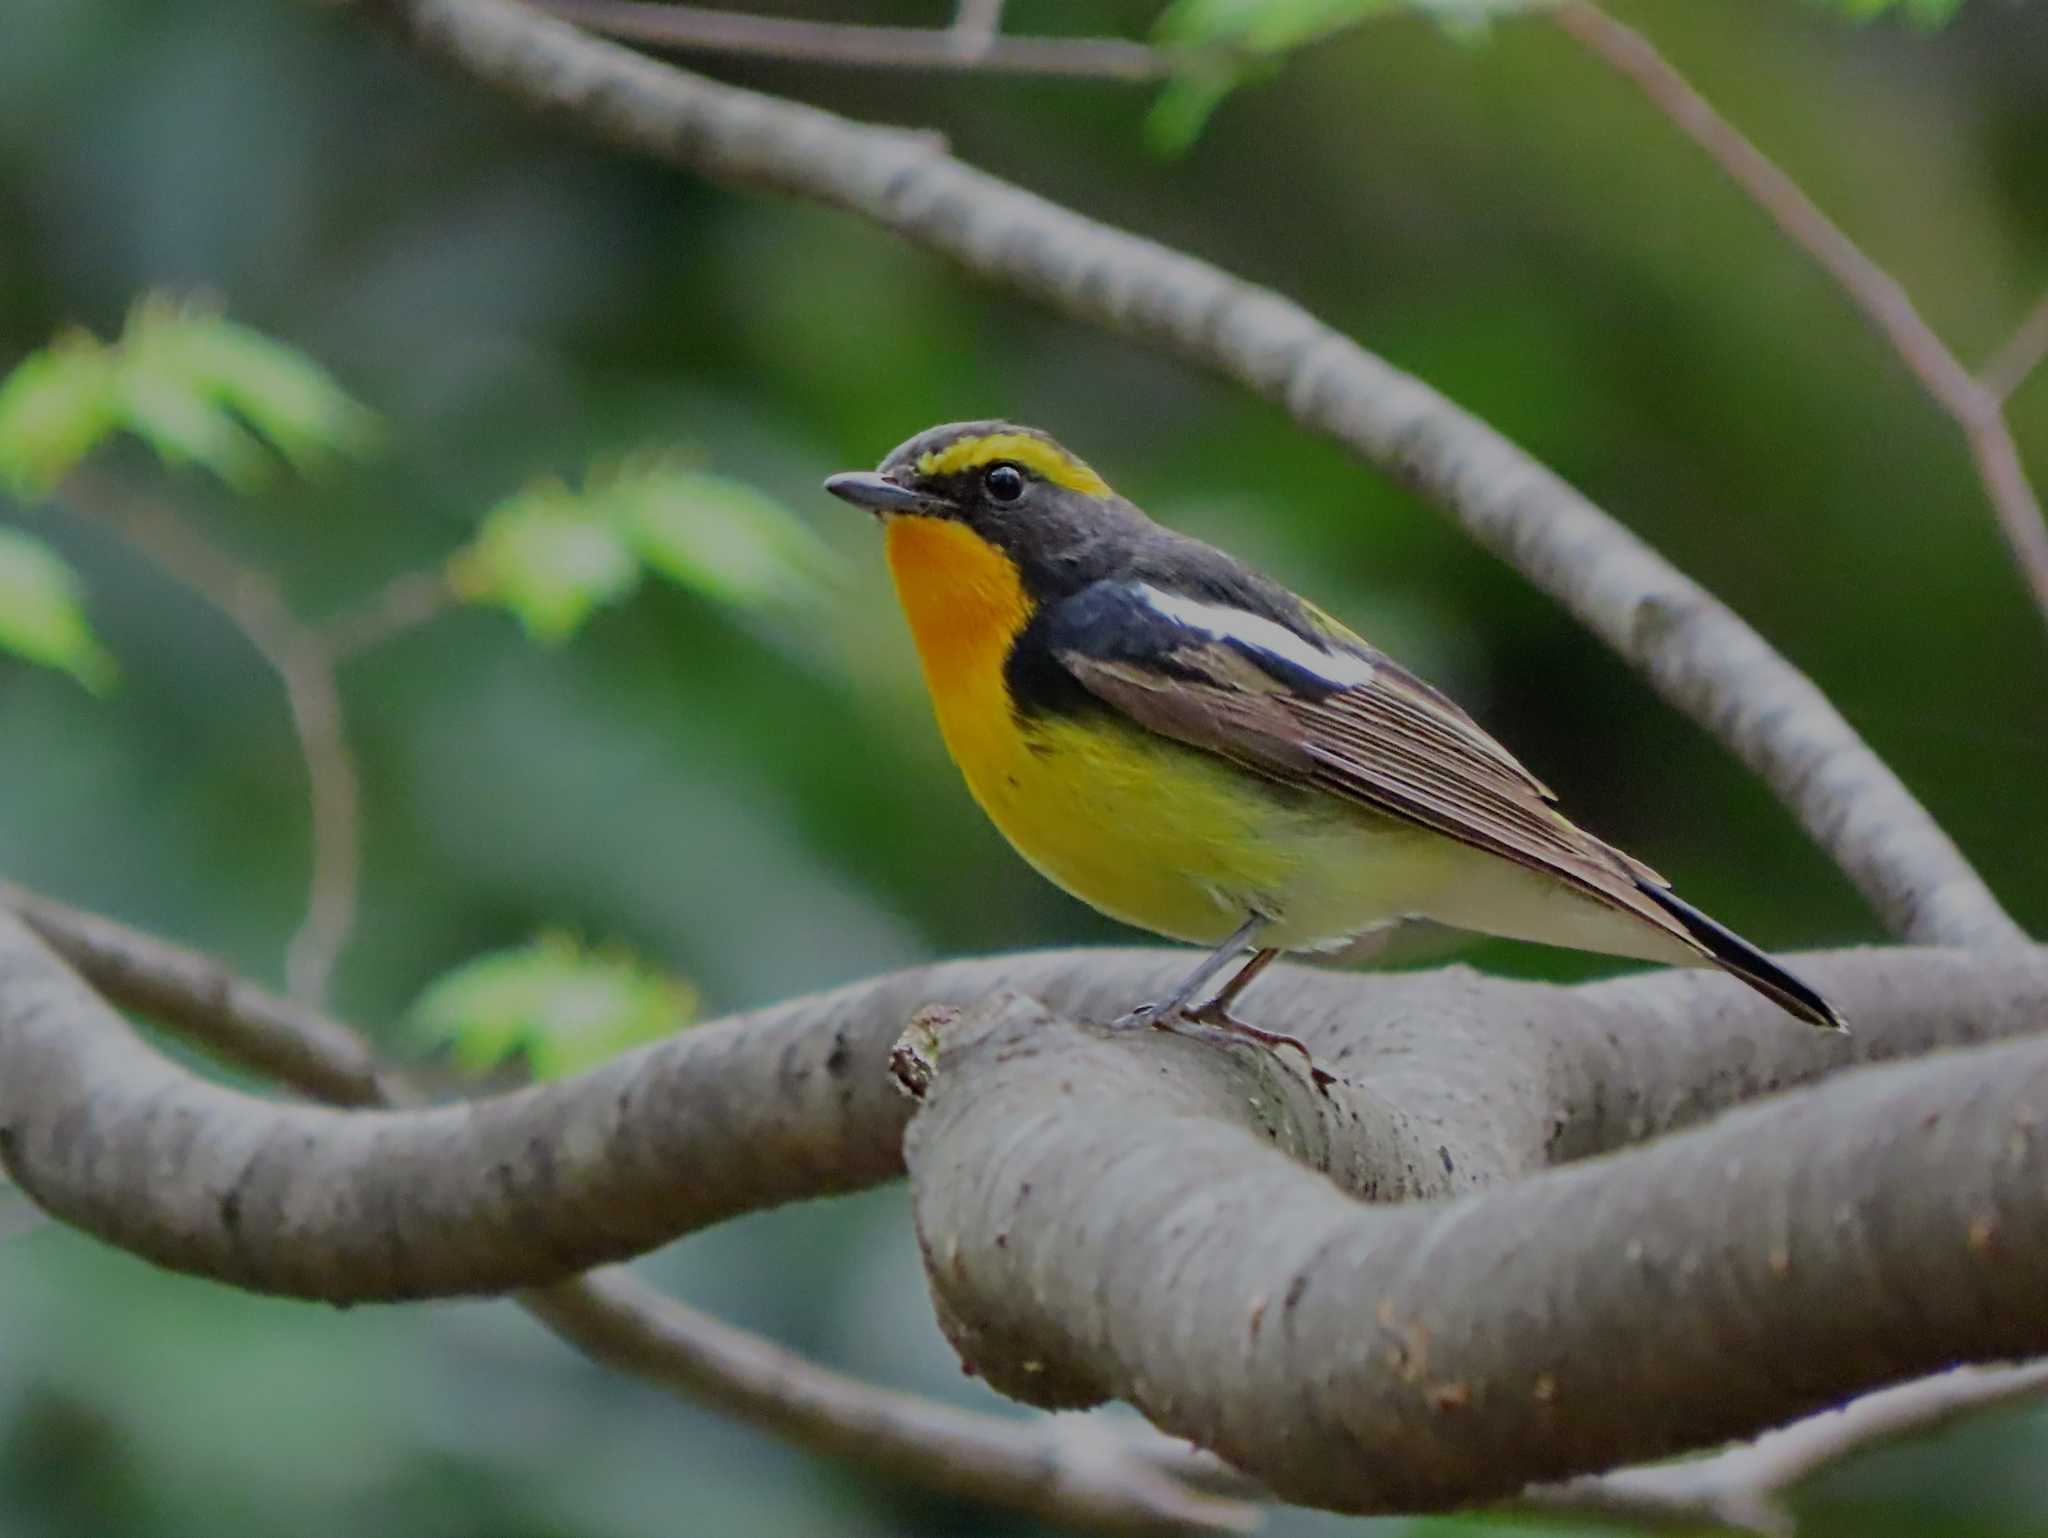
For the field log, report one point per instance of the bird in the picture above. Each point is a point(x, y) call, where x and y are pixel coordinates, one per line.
point(1191, 748)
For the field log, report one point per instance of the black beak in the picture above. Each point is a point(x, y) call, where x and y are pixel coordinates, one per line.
point(865, 489)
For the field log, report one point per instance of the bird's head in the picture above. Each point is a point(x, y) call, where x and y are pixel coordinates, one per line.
point(1014, 487)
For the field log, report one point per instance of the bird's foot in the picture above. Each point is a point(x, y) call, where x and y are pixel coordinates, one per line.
point(1160, 1017)
point(1217, 1018)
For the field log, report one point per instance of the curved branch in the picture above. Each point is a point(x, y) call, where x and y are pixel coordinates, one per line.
point(1103, 1219)
point(1745, 1486)
point(1418, 1057)
point(795, 1101)
point(1974, 405)
point(253, 603)
point(1696, 651)
point(1095, 1477)
point(1085, 1476)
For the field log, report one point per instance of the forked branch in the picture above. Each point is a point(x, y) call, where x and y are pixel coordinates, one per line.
point(1975, 403)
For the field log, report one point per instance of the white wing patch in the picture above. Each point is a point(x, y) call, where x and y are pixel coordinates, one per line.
point(1341, 670)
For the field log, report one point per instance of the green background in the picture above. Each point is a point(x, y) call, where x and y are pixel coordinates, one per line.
point(767, 812)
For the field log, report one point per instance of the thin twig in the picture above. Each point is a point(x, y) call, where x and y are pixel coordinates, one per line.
point(977, 24)
point(970, 44)
point(1746, 1485)
point(253, 602)
point(1974, 405)
point(1097, 1477)
point(306, 659)
point(406, 602)
point(2019, 357)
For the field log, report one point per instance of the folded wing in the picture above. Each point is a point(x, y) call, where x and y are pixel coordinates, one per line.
point(1325, 710)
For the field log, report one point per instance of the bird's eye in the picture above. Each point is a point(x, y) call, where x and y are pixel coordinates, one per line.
point(1004, 483)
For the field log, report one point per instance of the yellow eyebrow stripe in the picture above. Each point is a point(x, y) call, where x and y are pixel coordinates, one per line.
point(1049, 460)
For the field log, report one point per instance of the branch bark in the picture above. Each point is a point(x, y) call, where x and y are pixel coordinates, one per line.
point(971, 44)
point(1433, 1059)
point(794, 1101)
point(1102, 1219)
point(1696, 651)
point(1085, 1476)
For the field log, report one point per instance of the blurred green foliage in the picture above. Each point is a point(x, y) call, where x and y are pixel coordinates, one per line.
point(1232, 43)
point(41, 617)
point(556, 1004)
point(754, 797)
point(194, 386)
point(553, 556)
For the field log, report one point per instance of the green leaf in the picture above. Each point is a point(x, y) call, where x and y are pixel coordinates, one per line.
point(562, 1006)
point(41, 618)
point(553, 556)
point(186, 428)
point(1183, 108)
point(1228, 38)
point(55, 408)
point(550, 557)
point(289, 400)
point(196, 388)
point(1260, 26)
point(1277, 26)
point(714, 535)
point(1926, 14)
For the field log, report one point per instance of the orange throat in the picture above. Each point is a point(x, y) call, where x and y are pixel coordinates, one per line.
point(965, 603)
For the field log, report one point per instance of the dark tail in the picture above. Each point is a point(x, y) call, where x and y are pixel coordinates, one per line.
point(1738, 956)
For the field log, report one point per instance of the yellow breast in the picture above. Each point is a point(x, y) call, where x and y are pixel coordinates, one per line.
point(1146, 830)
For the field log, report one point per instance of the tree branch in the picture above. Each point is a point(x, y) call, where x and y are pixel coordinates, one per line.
point(794, 1101)
point(1421, 1051)
point(254, 604)
point(1692, 647)
point(1105, 1219)
point(1083, 1476)
point(406, 602)
point(1745, 1486)
point(1976, 406)
point(978, 22)
point(1086, 1476)
point(972, 43)
point(2020, 356)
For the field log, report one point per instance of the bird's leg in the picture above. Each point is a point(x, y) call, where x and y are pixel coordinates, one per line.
point(1174, 1005)
point(1217, 1010)
point(1217, 1013)
point(1173, 1010)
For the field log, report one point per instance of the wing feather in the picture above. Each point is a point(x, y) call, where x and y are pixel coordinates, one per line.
point(1390, 743)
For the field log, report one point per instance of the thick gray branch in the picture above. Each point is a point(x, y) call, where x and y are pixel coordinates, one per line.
point(1104, 1218)
point(795, 1101)
point(1697, 652)
point(1078, 1475)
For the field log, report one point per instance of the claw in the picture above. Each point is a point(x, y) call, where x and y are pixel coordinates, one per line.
point(1155, 1015)
point(1218, 1018)
point(1215, 1014)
